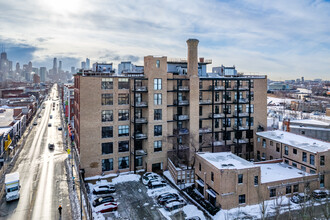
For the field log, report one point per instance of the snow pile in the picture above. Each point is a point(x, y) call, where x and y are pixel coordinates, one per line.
point(126, 178)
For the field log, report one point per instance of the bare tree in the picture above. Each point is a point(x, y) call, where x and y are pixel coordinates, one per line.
point(262, 206)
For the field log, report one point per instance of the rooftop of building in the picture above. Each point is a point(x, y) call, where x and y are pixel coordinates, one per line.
point(226, 160)
point(271, 172)
point(311, 122)
point(298, 141)
point(5, 130)
point(6, 117)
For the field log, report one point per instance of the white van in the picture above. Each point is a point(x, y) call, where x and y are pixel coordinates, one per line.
point(12, 186)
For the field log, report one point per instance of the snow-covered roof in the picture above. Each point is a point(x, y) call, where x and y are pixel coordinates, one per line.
point(226, 160)
point(310, 128)
point(298, 141)
point(271, 172)
point(311, 122)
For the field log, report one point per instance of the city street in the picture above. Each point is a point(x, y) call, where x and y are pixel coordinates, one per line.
point(42, 172)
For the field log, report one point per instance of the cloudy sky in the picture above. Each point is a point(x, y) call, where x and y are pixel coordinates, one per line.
point(283, 39)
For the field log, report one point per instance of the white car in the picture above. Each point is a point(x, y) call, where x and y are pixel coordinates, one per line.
point(146, 179)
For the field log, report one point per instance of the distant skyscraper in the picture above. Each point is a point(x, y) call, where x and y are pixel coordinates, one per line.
point(18, 67)
point(88, 63)
point(302, 79)
point(43, 74)
point(30, 67)
point(73, 70)
point(55, 66)
point(83, 65)
point(10, 66)
point(59, 66)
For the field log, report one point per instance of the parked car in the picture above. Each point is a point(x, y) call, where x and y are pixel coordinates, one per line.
point(35, 123)
point(193, 218)
point(39, 116)
point(49, 124)
point(161, 199)
point(156, 184)
point(145, 179)
point(174, 205)
point(107, 207)
point(59, 128)
point(51, 146)
point(103, 200)
point(104, 189)
point(319, 194)
point(51, 116)
point(299, 198)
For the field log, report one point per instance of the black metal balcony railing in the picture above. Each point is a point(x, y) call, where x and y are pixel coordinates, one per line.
point(205, 130)
point(141, 120)
point(241, 114)
point(181, 102)
point(181, 131)
point(141, 88)
point(141, 104)
point(140, 136)
point(181, 117)
point(205, 101)
point(218, 115)
point(183, 88)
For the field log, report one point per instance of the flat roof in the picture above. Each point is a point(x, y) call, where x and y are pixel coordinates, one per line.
point(311, 122)
point(271, 172)
point(226, 160)
point(298, 141)
point(7, 117)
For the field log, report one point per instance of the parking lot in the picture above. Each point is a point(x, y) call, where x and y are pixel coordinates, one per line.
point(136, 201)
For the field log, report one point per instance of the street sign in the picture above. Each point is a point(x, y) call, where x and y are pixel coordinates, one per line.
point(68, 150)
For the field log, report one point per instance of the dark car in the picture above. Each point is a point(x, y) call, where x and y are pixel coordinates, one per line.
point(49, 124)
point(164, 198)
point(51, 146)
point(156, 184)
point(59, 128)
point(103, 200)
point(174, 205)
point(104, 189)
point(319, 194)
point(35, 123)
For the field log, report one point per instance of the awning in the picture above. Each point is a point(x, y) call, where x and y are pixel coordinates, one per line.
point(211, 193)
point(199, 182)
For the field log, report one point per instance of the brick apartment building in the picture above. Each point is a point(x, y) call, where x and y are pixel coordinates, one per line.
point(171, 109)
point(307, 154)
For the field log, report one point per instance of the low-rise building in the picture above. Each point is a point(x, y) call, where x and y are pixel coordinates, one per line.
point(228, 181)
point(311, 128)
point(307, 154)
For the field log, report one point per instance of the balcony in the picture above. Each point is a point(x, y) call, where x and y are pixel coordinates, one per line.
point(216, 115)
point(141, 104)
point(141, 120)
point(242, 101)
point(241, 114)
point(183, 88)
point(141, 88)
point(181, 102)
point(241, 128)
point(205, 130)
point(140, 136)
point(241, 141)
point(243, 88)
point(181, 131)
point(218, 143)
point(181, 117)
point(205, 102)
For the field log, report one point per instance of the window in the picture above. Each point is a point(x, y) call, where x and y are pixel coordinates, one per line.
point(138, 161)
point(227, 135)
point(107, 83)
point(216, 123)
point(123, 115)
point(123, 83)
point(264, 143)
point(270, 157)
point(212, 176)
point(312, 171)
point(123, 130)
point(303, 168)
point(240, 178)
point(123, 99)
point(304, 157)
point(311, 159)
point(322, 159)
point(107, 164)
point(200, 138)
point(200, 123)
point(258, 155)
point(107, 115)
point(157, 114)
point(157, 146)
point(295, 188)
point(256, 180)
point(272, 192)
point(322, 180)
point(157, 99)
point(277, 149)
point(286, 150)
point(288, 189)
point(241, 199)
point(247, 108)
point(157, 84)
point(271, 143)
point(107, 99)
point(123, 146)
point(258, 139)
point(294, 164)
point(303, 132)
point(158, 63)
point(107, 132)
point(107, 148)
point(294, 151)
point(200, 110)
point(200, 167)
point(249, 121)
point(123, 163)
point(226, 123)
point(286, 161)
point(158, 130)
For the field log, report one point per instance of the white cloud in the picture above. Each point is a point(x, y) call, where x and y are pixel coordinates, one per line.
point(282, 38)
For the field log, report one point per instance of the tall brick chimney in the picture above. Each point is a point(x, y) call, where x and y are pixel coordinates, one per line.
point(192, 57)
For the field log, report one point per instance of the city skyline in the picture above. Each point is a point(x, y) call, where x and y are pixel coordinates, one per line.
point(279, 39)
